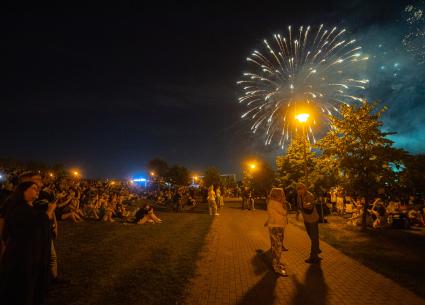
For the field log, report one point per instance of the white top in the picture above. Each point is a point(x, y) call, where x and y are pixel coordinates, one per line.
point(278, 214)
point(211, 195)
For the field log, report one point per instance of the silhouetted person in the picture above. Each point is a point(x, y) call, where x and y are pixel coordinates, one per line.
point(305, 204)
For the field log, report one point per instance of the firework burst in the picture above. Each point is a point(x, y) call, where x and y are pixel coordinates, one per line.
point(414, 40)
point(303, 69)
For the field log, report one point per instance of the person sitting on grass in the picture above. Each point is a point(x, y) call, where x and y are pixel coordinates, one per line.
point(64, 209)
point(356, 217)
point(109, 211)
point(92, 208)
point(121, 211)
point(146, 215)
point(378, 213)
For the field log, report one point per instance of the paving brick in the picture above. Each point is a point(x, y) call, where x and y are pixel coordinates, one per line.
point(230, 271)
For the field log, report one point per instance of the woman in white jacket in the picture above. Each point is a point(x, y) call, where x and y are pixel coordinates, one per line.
point(276, 222)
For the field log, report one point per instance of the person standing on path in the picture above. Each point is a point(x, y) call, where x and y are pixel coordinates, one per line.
point(276, 222)
point(305, 204)
point(219, 199)
point(211, 201)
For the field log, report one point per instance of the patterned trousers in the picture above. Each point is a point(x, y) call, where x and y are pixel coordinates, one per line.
point(212, 207)
point(276, 240)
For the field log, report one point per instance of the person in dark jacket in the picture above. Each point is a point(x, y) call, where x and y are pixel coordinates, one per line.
point(24, 269)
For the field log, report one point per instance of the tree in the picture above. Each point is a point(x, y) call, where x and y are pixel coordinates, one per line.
point(228, 182)
point(159, 167)
point(59, 170)
point(361, 149)
point(325, 174)
point(262, 179)
point(211, 177)
point(178, 175)
point(412, 175)
point(290, 167)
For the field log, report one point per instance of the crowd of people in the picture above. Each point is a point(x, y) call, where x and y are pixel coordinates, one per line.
point(31, 206)
point(382, 212)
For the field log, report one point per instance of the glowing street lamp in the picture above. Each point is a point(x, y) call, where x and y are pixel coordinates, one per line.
point(252, 165)
point(303, 118)
point(76, 173)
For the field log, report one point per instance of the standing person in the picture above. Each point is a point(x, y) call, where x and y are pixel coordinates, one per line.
point(340, 202)
point(251, 201)
point(245, 196)
point(211, 201)
point(276, 222)
point(305, 203)
point(24, 269)
point(219, 199)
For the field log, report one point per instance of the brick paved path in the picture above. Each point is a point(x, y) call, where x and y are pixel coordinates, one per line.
point(232, 270)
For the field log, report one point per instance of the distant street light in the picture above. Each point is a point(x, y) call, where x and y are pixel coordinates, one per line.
point(303, 118)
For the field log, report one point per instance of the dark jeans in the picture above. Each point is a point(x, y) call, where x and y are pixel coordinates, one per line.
point(313, 232)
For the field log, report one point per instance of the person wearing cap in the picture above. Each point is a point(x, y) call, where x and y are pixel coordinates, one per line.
point(305, 204)
point(276, 222)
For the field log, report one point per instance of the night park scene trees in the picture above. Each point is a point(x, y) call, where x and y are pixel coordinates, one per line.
point(209, 153)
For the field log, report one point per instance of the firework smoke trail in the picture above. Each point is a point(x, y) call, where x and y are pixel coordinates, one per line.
point(302, 68)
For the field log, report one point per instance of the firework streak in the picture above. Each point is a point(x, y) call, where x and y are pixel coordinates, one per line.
point(303, 69)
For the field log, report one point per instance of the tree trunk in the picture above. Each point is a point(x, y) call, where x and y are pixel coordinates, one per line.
point(364, 216)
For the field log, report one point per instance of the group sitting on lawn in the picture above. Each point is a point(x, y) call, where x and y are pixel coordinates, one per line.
point(381, 212)
point(78, 200)
point(31, 203)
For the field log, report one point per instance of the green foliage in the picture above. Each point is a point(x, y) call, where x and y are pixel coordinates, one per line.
point(159, 166)
point(361, 149)
point(412, 178)
point(211, 177)
point(290, 167)
point(178, 175)
point(227, 182)
point(261, 180)
point(325, 174)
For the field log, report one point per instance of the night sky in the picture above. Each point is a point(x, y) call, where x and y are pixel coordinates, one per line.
point(107, 90)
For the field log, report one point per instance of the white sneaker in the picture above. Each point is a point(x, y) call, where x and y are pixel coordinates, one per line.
point(216, 214)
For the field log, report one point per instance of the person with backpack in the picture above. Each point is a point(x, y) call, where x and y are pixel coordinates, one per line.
point(306, 206)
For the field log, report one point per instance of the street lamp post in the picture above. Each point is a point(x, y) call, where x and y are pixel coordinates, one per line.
point(302, 118)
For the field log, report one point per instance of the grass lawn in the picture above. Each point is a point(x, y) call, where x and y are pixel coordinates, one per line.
point(397, 254)
point(112, 263)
